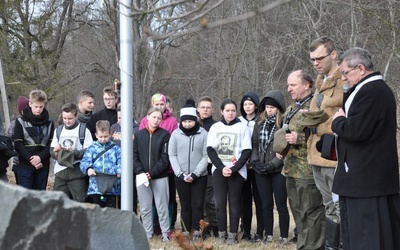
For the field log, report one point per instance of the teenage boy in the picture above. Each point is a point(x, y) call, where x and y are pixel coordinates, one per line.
point(85, 101)
point(109, 113)
point(67, 147)
point(205, 111)
point(32, 138)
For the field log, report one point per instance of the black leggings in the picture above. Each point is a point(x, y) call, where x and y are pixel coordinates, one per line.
point(272, 186)
point(191, 196)
point(249, 192)
point(105, 200)
point(228, 188)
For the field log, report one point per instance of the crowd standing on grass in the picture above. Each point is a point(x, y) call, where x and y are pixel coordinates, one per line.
point(321, 154)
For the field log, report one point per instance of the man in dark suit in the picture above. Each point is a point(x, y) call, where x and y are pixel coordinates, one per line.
point(367, 175)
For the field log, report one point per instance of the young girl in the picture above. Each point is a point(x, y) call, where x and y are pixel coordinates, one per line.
point(268, 165)
point(229, 148)
point(187, 152)
point(150, 161)
point(248, 109)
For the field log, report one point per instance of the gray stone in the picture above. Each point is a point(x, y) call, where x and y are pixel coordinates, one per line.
point(50, 220)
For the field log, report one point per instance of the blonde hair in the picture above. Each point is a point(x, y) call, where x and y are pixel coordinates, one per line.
point(37, 95)
point(279, 117)
point(102, 126)
point(153, 109)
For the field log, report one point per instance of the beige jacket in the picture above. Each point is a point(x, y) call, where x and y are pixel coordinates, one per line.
point(332, 91)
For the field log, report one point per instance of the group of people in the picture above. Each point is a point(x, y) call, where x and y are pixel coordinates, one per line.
point(347, 198)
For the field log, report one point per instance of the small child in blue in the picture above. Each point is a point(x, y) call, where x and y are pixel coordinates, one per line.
point(108, 163)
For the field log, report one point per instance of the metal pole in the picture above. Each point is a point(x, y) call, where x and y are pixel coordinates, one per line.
point(4, 98)
point(126, 105)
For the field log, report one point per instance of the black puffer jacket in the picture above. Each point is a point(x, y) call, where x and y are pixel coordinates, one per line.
point(150, 153)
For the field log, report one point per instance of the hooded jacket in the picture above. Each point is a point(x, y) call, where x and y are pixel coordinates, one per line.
point(168, 122)
point(268, 155)
point(188, 154)
point(250, 96)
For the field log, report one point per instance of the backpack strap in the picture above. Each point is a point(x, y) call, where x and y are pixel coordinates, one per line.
point(82, 131)
point(103, 152)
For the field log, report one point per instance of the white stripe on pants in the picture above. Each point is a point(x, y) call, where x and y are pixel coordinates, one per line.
point(158, 188)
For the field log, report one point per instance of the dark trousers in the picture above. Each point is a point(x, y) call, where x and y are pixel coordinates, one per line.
point(210, 214)
point(272, 186)
point(249, 192)
point(191, 196)
point(228, 188)
point(32, 178)
point(105, 200)
point(370, 223)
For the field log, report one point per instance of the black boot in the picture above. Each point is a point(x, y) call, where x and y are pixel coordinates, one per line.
point(332, 235)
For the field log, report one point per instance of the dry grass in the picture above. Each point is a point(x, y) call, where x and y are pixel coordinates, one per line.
point(156, 243)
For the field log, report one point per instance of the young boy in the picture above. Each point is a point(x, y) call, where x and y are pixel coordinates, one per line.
point(67, 148)
point(102, 157)
point(32, 138)
point(85, 106)
point(116, 129)
point(109, 113)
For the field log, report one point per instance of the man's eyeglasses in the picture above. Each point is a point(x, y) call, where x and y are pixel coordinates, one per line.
point(345, 73)
point(108, 99)
point(319, 59)
point(206, 108)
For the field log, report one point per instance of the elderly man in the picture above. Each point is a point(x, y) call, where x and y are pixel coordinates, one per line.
point(305, 200)
point(367, 175)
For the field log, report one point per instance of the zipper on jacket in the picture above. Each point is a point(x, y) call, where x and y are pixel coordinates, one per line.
point(150, 151)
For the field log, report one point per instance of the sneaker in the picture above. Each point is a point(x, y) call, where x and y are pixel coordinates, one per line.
point(196, 236)
point(246, 237)
point(221, 237)
point(257, 238)
point(268, 239)
point(283, 241)
point(293, 240)
point(206, 233)
point(164, 239)
point(232, 239)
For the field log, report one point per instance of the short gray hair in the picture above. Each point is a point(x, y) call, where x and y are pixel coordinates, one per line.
point(356, 56)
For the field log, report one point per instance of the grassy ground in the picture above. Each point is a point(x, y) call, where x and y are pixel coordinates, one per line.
point(156, 243)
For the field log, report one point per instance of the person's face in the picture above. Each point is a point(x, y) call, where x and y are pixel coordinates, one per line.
point(119, 117)
point(229, 112)
point(154, 119)
point(296, 88)
point(323, 61)
point(161, 105)
point(205, 109)
point(86, 104)
point(37, 107)
point(103, 137)
point(188, 124)
point(69, 119)
point(249, 107)
point(271, 110)
point(352, 75)
point(225, 142)
point(110, 101)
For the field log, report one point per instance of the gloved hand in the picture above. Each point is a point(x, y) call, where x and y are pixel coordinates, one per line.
point(260, 167)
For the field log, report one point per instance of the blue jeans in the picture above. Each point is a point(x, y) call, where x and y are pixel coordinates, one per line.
point(33, 178)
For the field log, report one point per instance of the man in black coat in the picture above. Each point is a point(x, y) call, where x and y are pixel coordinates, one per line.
point(367, 175)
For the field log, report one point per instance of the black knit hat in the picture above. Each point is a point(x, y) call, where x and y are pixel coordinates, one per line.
point(188, 111)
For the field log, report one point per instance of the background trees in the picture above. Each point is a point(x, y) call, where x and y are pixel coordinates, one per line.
point(184, 48)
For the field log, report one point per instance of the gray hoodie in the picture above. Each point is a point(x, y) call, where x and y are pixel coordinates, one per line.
point(188, 154)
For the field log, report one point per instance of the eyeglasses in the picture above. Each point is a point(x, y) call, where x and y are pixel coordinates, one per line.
point(345, 73)
point(108, 99)
point(206, 108)
point(319, 59)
